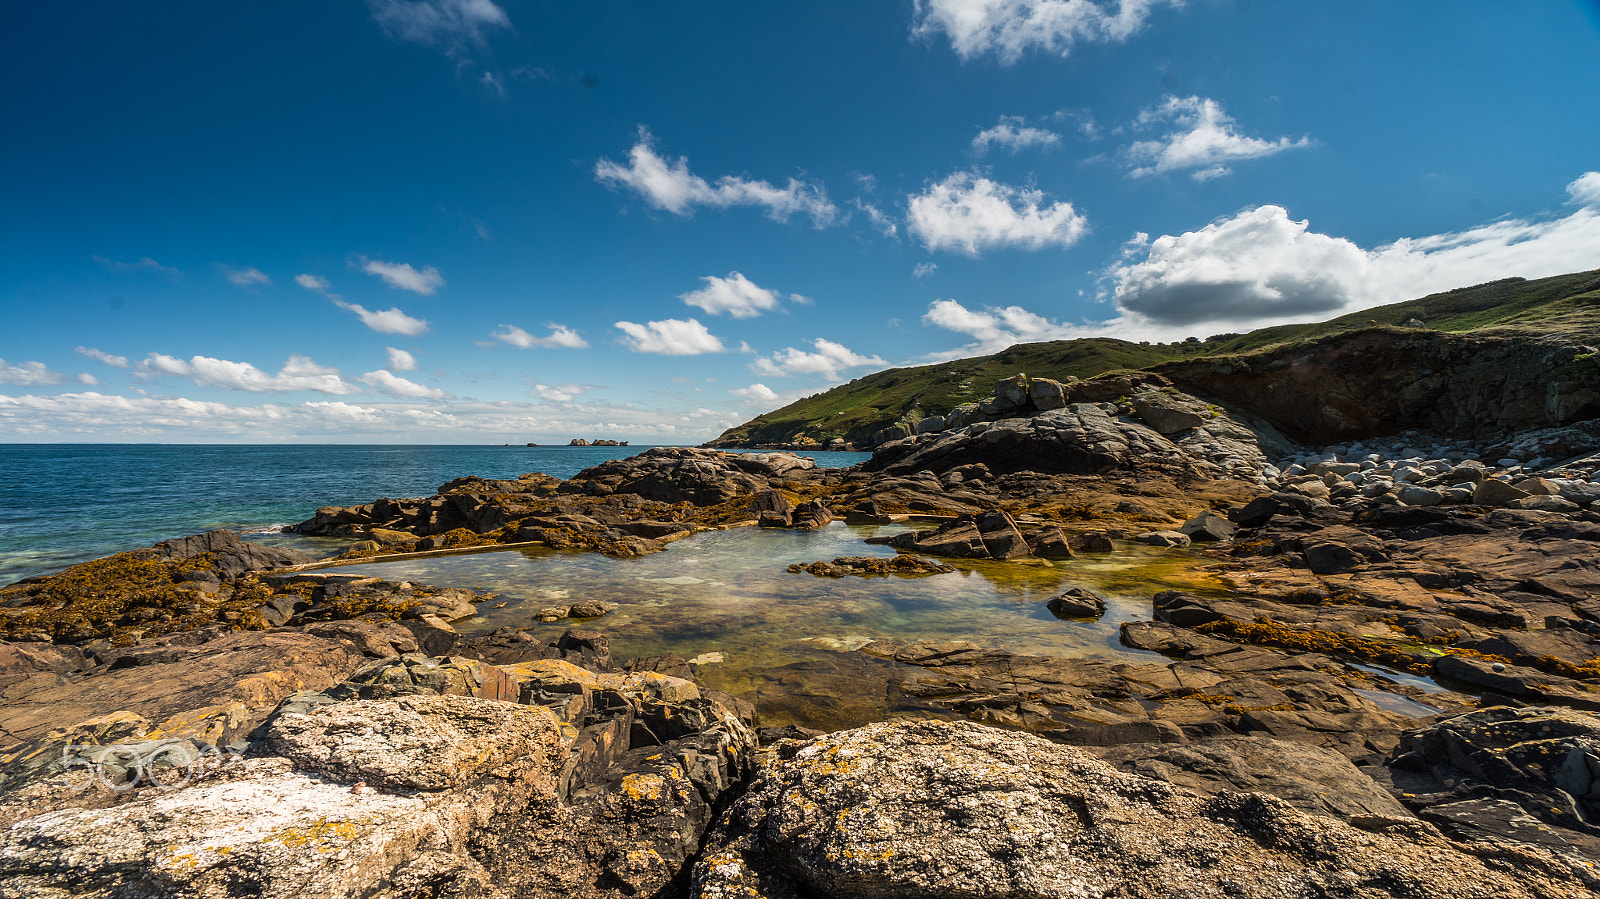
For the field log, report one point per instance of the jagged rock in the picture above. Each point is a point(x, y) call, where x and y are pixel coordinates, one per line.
point(811, 515)
point(1047, 394)
point(922, 808)
point(231, 556)
point(1208, 527)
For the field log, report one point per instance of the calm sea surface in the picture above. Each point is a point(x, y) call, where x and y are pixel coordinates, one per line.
point(68, 503)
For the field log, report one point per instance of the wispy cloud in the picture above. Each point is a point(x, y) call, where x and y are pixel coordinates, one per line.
point(967, 213)
point(143, 265)
point(829, 360)
point(669, 185)
point(387, 321)
point(1009, 28)
point(560, 337)
point(736, 295)
point(493, 82)
point(102, 356)
point(881, 221)
point(924, 269)
point(1013, 133)
point(244, 277)
point(316, 283)
point(450, 24)
point(670, 337)
point(1202, 140)
point(559, 393)
point(402, 276)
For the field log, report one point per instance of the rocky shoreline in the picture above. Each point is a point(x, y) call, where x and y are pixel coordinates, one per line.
point(1396, 693)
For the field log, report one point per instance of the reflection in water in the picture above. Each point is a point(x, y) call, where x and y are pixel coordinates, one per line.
point(725, 600)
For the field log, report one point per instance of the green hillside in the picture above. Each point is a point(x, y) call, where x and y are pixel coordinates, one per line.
point(1563, 304)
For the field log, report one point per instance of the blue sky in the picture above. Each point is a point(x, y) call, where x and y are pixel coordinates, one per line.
point(486, 221)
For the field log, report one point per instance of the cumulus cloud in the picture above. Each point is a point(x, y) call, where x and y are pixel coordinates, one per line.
point(924, 269)
point(756, 393)
point(828, 361)
point(244, 277)
point(387, 321)
point(1013, 133)
point(736, 295)
point(967, 213)
point(30, 374)
point(103, 356)
point(1008, 28)
point(143, 265)
point(672, 337)
point(560, 337)
point(299, 373)
point(669, 185)
point(1202, 139)
point(402, 276)
point(1261, 267)
point(452, 24)
point(394, 385)
point(400, 360)
point(995, 328)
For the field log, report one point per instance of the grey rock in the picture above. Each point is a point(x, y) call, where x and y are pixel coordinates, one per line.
point(1209, 527)
point(1496, 493)
point(1077, 603)
point(1163, 538)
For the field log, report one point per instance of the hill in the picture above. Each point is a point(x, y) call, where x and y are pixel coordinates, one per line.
point(1564, 304)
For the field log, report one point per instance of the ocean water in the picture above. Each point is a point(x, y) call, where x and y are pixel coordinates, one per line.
point(61, 504)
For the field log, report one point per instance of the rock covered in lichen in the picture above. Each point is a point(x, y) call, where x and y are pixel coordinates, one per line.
point(924, 808)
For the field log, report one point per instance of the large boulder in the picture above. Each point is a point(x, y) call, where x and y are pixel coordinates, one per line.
point(231, 556)
point(928, 808)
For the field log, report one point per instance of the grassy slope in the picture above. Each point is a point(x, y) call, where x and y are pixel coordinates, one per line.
point(1562, 304)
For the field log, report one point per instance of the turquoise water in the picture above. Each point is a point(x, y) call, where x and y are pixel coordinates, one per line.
point(67, 503)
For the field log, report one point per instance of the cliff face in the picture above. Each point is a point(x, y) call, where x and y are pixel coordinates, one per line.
point(1378, 381)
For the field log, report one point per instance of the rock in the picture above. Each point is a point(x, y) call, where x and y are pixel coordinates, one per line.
point(924, 808)
point(1077, 603)
point(1496, 493)
point(1208, 527)
point(589, 608)
point(1544, 503)
point(812, 515)
point(1046, 394)
point(1169, 413)
point(1048, 543)
point(1413, 495)
point(1544, 763)
point(230, 556)
point(870, 566)
point(1310, 778)
point(1163, 538)
point(1332, 558)
point(1000, 536)
point(1091, 542)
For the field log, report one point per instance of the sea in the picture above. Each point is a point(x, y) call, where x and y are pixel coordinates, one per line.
point(61, 504)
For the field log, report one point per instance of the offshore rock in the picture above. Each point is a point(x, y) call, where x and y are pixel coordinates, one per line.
point(926, 808)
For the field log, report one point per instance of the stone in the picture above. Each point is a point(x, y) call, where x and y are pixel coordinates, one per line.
point(231, 556)
point(1163, 538)
point(1413, 495)
point(812, 515)
point(1209, 527)
point(1332, 558)
point(1047, 394)
point(1168, 413)
point(929, 808)
point(1492, 492)
point(1077, 603)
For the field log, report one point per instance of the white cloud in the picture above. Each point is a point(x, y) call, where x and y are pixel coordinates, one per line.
point(143, 265)
point(449, 23)
point(560, 337)
point(1261, 267)
point(758, 393)
point(995, 328)
point(828, 361)
point(299, 373)
point(1013, 133)
point(30, 374)
point(1008, 28)
point(103, 356)
point(880, 221)
point(672, 337)
point(316, 283)
point(924, 269)
point(1203, 139)
point(668, 184)
point(736, 295)
point(394, 385)
point(387, 321)
point(559, 393)
point(967, 213)
point(401, 275)
point(400, 360)
point(492, 81)
point(1585, 191)
point(244, 277)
